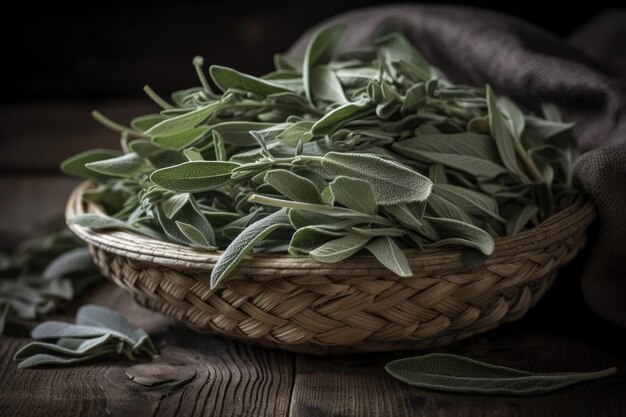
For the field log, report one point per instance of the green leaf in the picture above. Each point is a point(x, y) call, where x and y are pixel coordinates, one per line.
point(227, 78)
point(309, 238)
point(320, 50)
point(189, 214)
point(354, 193)
point(238, 132)
point(172, 205)
point(300, 131)
point(480, 168)
point(390, 255)
point(514, 117)
point(517, 223)
point(396, 48)
point(101, 222)
point(472, 202)
point(181, 139)
point(324, 85)
point(143, 123)
point(455, 232)
point(504, 140)
point(293, 186)
point(334, 119)
point(125, 166)
point(75, 165)
point(193, 154)
point(467, 144)
point(75, 260)
point(245, 242)
point(442, 207)
point(453, 373)
point(186, 121)
point(194, 235)
point(339, 249)
point(194, 176)
point(391, 181)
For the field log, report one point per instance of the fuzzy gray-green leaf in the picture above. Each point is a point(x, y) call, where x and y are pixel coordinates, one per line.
point(458, 374)
point(194, 176)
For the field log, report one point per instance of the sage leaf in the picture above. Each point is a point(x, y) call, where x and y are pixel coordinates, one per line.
point(227, 78)
point(334, 119)
point(391, 182)
point(124, 166)
point(72, 261)
point(517, 223)
point(324, 85)
point(309, 238)
point(354, 193)
point(245, 242)
point(390, 255)
point(185, 121)
point(458, 374)
point(339, 249)
point(194, 176)
point(300, 131)
point(504, 140)
point(172, 205)
point(143, 123)
point(238, 132)
point(181, 139)
point(472, 202)
point(457, 232)
point(194, 235)
point(75, 165)
point(320, 50)
point(293, 186)
point(101, 222)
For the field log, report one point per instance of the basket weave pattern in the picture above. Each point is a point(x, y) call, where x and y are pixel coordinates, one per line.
point(354, 306)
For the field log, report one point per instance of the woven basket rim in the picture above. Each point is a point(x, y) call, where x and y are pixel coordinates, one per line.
point(269, 265)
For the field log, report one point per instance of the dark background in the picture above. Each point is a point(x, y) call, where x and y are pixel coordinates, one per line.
point(95, 51)
point(59, 63)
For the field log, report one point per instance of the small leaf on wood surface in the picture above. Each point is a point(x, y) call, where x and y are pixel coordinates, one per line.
point(458, 374)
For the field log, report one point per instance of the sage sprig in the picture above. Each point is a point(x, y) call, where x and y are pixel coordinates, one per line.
point(98, 332)
point(44, 275)
point(459, 374)
point(332, 154)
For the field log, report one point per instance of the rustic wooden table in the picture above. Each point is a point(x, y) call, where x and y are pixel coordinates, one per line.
point(233, 379)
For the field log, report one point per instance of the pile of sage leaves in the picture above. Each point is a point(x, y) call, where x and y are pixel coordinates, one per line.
point(370, 149)
point(43, 275)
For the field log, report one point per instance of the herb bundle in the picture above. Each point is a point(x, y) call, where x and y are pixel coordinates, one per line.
point(369, 149)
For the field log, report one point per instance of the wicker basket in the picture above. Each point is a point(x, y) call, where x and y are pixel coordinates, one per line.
point(357, 305)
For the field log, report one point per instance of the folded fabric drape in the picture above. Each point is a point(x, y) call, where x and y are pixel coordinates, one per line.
point(532, 65)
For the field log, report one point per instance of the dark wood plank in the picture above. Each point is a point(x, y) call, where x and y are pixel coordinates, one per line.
point(235, 379)
point(231, 379)
point(560, 334)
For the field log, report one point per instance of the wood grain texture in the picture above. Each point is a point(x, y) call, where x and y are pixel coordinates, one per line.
point(233, 379)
